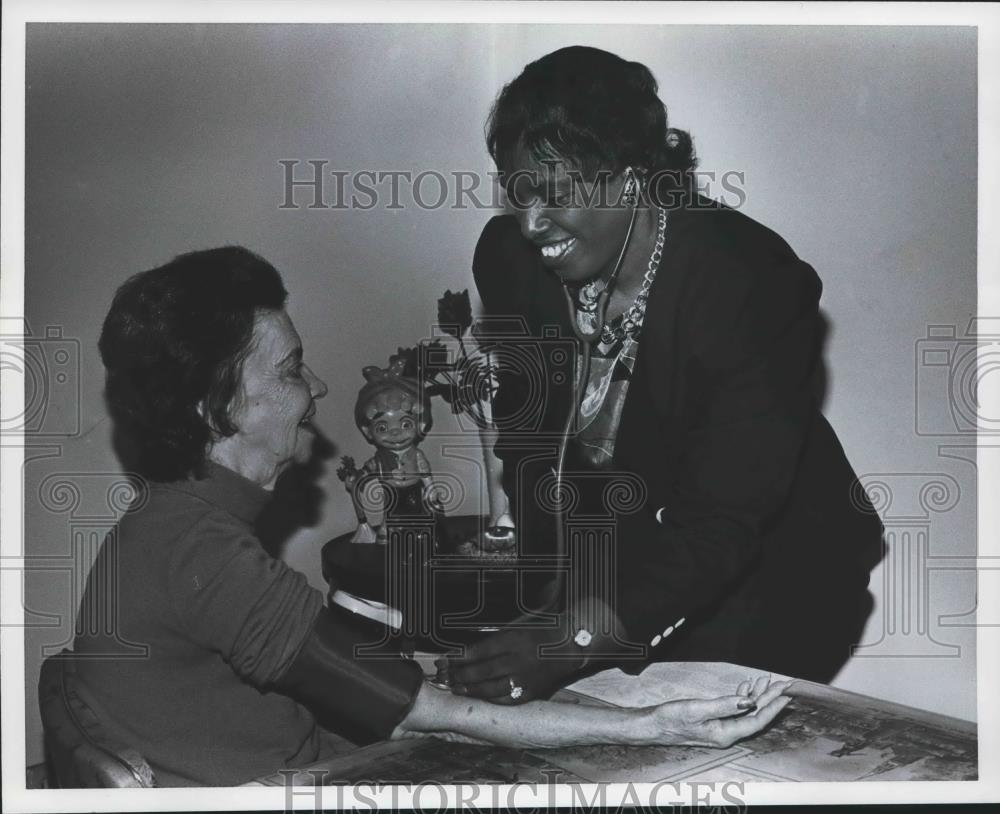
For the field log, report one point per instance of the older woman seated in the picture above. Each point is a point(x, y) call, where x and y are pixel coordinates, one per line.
point(238, 657)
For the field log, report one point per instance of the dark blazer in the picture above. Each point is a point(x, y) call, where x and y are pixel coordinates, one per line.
point(750, 542)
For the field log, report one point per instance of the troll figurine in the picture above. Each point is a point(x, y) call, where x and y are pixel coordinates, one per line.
point(394, 415)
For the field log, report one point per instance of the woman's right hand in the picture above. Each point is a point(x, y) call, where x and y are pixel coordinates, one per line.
point(719, 722)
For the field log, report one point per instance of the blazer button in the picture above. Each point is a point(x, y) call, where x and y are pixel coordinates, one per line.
point(656, 640)
point(679, 622)
point(659, 514)
point(668, 631)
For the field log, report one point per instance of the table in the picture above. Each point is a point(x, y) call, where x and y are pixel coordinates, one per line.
point(824, 734)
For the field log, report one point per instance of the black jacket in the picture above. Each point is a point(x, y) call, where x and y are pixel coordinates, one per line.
point(749, 529)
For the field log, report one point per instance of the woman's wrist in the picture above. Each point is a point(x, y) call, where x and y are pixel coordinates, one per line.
point(648, 729)
point(540, 724)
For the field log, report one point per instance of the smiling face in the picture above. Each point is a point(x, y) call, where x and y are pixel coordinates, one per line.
point(273, 406)
point(578, 225)
point(389, 415)
point(395, 430)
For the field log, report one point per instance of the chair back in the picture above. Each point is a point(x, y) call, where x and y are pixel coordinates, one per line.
point(80, 752)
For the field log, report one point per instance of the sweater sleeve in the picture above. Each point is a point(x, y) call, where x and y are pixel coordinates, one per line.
point(232, 597)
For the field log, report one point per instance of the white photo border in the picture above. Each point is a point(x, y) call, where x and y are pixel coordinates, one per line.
point(16, 13)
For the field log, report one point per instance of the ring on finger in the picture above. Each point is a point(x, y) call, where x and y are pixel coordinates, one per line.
point(516, 690)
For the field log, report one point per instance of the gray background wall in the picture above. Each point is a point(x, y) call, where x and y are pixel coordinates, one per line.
point(858, 146)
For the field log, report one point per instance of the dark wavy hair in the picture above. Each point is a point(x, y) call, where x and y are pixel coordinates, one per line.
point(173, 345)
point(594, 109)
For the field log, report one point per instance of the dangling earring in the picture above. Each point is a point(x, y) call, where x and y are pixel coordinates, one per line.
point(630, 195)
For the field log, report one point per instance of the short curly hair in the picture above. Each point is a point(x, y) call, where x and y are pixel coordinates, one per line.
point(383, 392)
point(173, 345)
point(592, 108)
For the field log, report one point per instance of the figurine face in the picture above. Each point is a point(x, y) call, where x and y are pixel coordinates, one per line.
point(394, 430)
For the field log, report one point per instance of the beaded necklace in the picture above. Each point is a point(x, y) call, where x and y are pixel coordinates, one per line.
point(630, 322)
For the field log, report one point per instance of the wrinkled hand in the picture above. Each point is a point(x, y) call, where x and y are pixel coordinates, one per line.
point(720, 722)
point(487, 667)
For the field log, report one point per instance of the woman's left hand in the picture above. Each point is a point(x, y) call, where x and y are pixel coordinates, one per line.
point(720, 722)
point(496, 667)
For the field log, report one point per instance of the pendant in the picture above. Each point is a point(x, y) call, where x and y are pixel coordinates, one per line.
point(587, 322)
point(587, 296)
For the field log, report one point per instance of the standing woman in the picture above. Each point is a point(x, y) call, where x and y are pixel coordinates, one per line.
point(748, 540)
